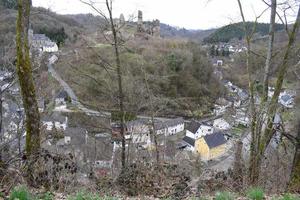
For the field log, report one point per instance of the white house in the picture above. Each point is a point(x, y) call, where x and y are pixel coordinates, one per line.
point(189, 142)
point(286, 100)
point(270, 91)
point(219, 62)
point(41, 42)
point(60, 123)
point(138, 131)
point(221, 124)
point(219, 110)
point(67, 139)
point(169, 127)
point(242, 120)
point(61, 99)
point(51, 47)
point(196, 130)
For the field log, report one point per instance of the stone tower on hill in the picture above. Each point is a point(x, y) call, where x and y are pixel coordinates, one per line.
point(147, 28)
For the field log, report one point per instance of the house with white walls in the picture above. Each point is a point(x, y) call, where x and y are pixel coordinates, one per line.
point(55, 121)
point(221, 124)
point(196, 130)
point(138, 131)
point(169, 127)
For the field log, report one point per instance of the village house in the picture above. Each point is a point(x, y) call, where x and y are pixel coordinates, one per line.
point(221, 124)
point(41, 42)
point(221, 105)
point(55, 120)
point(188, 143)
point(61, 99)
point(169, 127)
point(286, 100)
point(138, 131)
point(243, 95)
point(210, 146)
point(219, 62)
point(241, 118)
point(196, 130)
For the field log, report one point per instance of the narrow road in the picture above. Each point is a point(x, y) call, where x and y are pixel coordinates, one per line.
point(72, 95)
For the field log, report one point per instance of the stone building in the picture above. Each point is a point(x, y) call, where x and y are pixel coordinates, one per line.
point(41, 42)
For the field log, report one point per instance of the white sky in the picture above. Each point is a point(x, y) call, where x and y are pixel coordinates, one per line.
point(191, 14)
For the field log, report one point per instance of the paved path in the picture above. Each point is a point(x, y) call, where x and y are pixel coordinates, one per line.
point(72, 95)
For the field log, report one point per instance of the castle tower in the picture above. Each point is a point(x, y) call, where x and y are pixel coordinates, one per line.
point(122, 19)
point(140, 22)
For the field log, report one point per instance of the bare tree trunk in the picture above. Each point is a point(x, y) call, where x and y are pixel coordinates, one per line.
point(282, 70)
point(238, 167)
point(253, 143)
point(270, 52)
point(294, 184)
point(1, 131)
point(1, 120)
point(266, 135)
point(120, 86)
point(153, 133)
point(24, 71)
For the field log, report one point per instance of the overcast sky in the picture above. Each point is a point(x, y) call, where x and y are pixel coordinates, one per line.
point(191, 14)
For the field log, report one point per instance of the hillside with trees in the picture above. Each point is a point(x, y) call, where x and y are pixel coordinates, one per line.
point(236, 31)
point(94, 107)
point(179, 72)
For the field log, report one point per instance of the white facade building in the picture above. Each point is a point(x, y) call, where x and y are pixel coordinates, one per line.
point(169, 127)
point(221, 124)
point(196, 130)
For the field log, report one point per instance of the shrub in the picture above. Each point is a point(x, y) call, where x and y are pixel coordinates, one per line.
point(224, 196)
point(255, 194)
point(47, 196)
point(20, 193)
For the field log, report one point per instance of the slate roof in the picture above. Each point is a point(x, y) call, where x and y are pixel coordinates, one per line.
point(40, 37)
point(193, 126)
point(169, 123)
point(62, 94)
point(174, 122)
point(243, 95)
point(189, 140)
point(137, 122)
point(159, 125)
point(286, 97)
point(214, 140)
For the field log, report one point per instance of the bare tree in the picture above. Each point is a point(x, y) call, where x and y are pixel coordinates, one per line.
point(116, 42)
point(24, 71)
point(270, 51)
point(262, 128)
